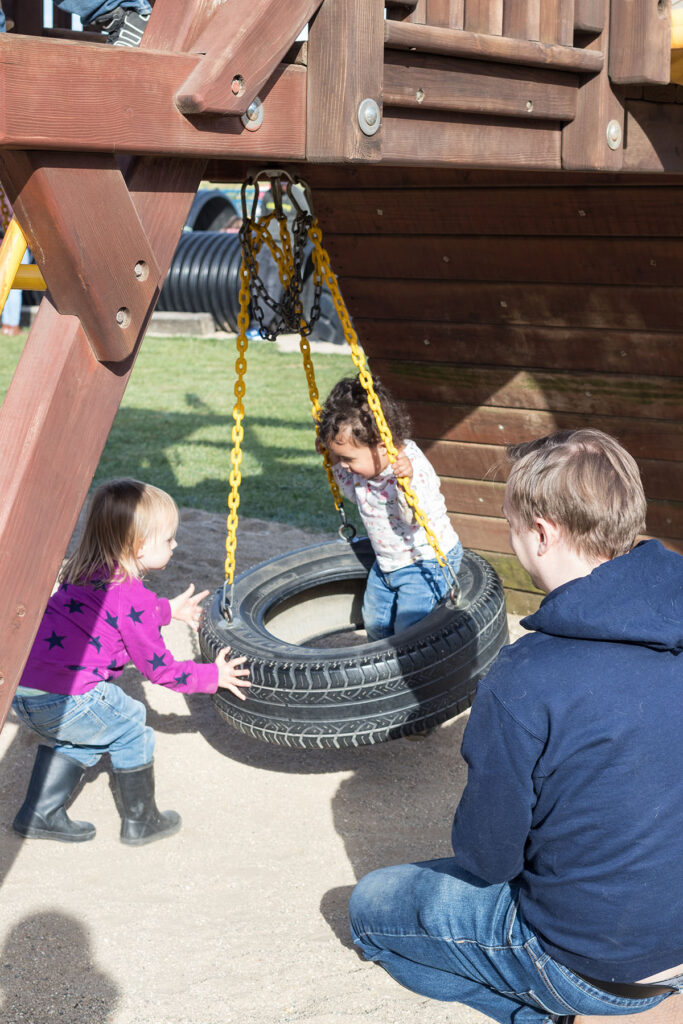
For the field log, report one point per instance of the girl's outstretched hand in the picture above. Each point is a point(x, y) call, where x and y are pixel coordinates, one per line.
point(186, 606)
point(230, 676)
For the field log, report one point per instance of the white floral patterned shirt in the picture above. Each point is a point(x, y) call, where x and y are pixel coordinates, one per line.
point(396, 538)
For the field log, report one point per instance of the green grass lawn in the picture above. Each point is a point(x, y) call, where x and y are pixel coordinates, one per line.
point(174, 427)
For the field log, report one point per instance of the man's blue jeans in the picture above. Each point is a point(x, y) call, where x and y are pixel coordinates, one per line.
point(445, 934)
point(84, 726)
point(395, 600)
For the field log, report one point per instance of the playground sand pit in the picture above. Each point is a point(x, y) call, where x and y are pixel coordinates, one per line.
point(241, 917)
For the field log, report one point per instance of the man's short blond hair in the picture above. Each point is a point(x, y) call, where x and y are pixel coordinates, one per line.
point(585, 482)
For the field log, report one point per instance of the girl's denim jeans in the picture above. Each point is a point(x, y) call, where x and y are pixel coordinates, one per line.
point(395, 600)
point(445, 934)
point(84, 726)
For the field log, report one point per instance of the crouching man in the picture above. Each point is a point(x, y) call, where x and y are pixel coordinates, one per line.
point(563, 895)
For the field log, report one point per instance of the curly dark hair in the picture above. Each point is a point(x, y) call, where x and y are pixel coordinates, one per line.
point(347, 406)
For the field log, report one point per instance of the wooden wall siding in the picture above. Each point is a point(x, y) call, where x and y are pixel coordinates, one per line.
point(502, 313)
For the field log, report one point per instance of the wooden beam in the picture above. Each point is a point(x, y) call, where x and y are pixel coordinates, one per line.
point(557, 22)
point(640, 42)
point(485, 16)
point(522, 20)
point(54, 423)
point(654, 132)
point(442, 83)
point(427, 39)
point(92, 98)
point(242, 45)
point(589, 16)
point(345, 58)
point(86, 237)
point(446, 13)
point(594, 140)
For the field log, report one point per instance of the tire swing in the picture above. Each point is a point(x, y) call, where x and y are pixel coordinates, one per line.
point(317, 682)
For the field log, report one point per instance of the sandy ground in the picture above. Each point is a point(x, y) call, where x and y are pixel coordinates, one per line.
point(241, 917)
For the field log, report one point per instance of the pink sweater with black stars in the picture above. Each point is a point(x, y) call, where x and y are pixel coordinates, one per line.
point(90, 632)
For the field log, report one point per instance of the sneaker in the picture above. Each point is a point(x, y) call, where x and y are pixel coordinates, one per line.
point(123, 27)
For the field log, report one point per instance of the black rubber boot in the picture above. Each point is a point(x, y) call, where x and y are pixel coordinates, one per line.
point(43, 813)
point(142, 821)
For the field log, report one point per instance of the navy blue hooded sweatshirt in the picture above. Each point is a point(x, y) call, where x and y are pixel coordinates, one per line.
point(575, 782)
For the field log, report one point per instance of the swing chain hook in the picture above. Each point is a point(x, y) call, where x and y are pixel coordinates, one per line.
point(226, 602)
point(347, 531)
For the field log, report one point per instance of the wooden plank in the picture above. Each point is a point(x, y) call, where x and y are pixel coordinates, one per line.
point(92, 98)
point(87, 239)
point(589, 16)
point(653, 134)
point(543, 259)
point(345, 57)
point(637, 309)
point(551, 348)
point(471, 423)
point(430, 39)
point(556, 23)
point(640, 41)
point(242, 45)
point(626, 211)
point(594, 140)
point(582, 394)
point(481, 531)
point(484, 16)
point(446, 13)
point(662, 480)
point(464, 140)
point(522, 20)
point(442, 83)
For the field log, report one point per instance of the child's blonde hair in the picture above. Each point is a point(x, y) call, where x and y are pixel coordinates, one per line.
point(121, 516)
point(583, 481)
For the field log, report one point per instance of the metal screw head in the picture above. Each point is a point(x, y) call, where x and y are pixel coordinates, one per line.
point(252, 119)
point(369, 119)
point(614, 134)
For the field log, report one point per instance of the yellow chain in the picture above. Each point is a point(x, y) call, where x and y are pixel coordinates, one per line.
point(321, 263)
point(238, 429)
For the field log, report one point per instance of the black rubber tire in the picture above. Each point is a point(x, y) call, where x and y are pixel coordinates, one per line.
point(346, 696)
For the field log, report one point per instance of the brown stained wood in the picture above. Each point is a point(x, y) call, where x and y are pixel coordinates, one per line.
point(599, 114)
point(28, 17)
point(522, 20)
point(345, 56)
point(54, 423)
point(473, 497)
point(445, 13)
point(471, 424)
point(87, 239)
point(589, 16)
point(78, 102)
point(481, 532)
point(556, 23)
point(653, 136)
point(434, 138)
point(429, 39)
point(640, 41)
point(589, 261)
point(242, 45)
point(442, 83)
point(626, 309)
point(419, 12)
point(541, 347)
point(582, 394)
point(572, 211)
point(484, 16)
point(175, 24)
point(661, 479)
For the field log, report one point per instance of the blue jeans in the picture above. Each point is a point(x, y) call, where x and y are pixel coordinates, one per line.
point(88, 10)
point(445, 934)
point(395, 600)
point(84, 726)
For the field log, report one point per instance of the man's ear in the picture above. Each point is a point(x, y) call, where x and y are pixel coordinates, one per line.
point(548, 534)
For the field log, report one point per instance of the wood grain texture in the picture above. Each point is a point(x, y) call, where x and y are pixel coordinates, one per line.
point(640, 41)
point(242, 44)
point(440, 83)
point(76, 103)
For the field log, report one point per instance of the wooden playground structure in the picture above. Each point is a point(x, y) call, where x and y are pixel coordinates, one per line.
point(499, 184)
